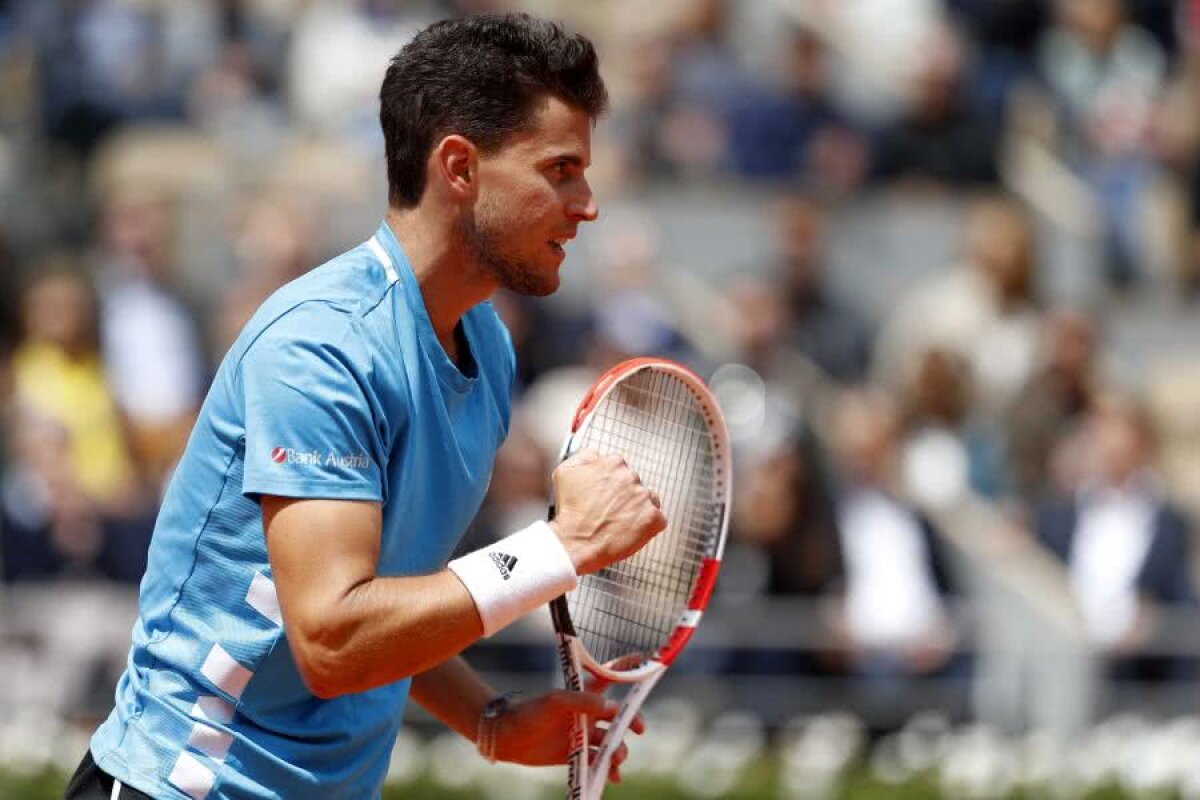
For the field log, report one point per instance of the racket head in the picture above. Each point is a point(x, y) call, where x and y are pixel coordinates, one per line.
point(633, 618)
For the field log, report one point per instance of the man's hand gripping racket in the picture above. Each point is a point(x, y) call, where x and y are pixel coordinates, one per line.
point(635, 609)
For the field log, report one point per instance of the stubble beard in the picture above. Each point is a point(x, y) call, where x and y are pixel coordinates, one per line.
point(485, 246)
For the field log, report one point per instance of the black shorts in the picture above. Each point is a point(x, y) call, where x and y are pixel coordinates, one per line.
point(92, 783)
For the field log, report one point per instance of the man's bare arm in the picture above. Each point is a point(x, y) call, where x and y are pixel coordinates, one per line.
point(349, 629)
point(454, 693)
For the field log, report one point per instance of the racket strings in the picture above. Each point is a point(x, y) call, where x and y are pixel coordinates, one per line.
point(653, 420)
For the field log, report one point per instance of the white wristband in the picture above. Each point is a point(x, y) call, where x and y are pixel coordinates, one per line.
point(515, 575)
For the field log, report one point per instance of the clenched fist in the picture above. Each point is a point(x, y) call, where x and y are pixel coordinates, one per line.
point(603, 512)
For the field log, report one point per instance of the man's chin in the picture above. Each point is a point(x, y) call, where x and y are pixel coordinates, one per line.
point(533, 285)
point(540, 289)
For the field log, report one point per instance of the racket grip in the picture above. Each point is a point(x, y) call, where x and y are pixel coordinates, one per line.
point(577, 756)
point(577, 761)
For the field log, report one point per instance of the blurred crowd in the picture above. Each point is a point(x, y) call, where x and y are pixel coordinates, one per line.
point(164, 166)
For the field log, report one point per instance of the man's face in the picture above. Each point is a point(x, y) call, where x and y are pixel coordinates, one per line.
point(532, 197)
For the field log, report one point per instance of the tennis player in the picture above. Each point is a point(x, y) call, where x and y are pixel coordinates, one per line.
point(298, 590)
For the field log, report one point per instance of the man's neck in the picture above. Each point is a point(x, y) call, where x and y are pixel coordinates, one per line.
point(449, 284)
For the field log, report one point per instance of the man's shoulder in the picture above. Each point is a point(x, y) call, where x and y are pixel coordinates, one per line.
point(321, 304)
point(352, 282)
point(285, 321)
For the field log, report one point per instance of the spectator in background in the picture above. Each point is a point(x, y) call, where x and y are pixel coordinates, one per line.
point(684, 82)
point(941, 140)
point(789, 326)
point(36, 474)
point(707, 80)
point(1053, 402)
point(937, 399)
point(9, 331)
point(1125, 545)
point(236, 96)
point(822, 326)
point(337, 47)
point(784, 511)
point(71, 500)
point(1173, 142)
point(8, 340)
point(1193, 253)
point(783, 543)
point(892, 618)
point(58, 373)
point(151, 347)
point(105, 63)
point(638, 125)
point(9, 327)
point(705, 67)
point(1005, 35)
point(49, 527)
point(6, 389)
point(1189, 23)
point(984, 309)
point(6, 21)
point(1106, 74)
point(756, 325)
point(795, 130)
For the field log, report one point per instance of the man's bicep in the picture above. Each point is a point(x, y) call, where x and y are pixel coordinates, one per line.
point(319, 550)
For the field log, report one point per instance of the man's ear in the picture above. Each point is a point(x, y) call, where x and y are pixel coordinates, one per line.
point(455, 162)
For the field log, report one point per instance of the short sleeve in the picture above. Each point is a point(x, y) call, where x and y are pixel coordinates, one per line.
point(310, 412)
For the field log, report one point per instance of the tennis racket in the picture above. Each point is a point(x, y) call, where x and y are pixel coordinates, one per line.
point(629, 621)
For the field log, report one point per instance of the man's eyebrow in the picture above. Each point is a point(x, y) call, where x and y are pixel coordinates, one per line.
point(569, 158)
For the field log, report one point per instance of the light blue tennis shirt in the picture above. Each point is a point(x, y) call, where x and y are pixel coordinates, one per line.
point(337, 388)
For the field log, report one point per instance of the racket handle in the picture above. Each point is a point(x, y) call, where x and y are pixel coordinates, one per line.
point(577, 761)
point(577, 757)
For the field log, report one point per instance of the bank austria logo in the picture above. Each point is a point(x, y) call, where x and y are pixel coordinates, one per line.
point(319, 458)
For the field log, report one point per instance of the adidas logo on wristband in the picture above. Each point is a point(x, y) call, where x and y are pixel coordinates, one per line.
point(501, 594)
point(505, 563)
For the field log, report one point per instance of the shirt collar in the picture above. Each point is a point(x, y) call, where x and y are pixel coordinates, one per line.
point(387, 249)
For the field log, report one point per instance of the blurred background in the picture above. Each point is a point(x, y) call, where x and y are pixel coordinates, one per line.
point(940, 260)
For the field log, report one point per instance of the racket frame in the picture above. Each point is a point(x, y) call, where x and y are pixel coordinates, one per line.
point(587, 781)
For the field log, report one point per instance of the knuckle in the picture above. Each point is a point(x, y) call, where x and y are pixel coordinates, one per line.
point(578, 459)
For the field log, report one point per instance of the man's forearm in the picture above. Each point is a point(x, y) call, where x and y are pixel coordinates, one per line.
point(454, 693)
point(386, 629)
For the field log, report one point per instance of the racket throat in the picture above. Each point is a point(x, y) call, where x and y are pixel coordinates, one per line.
point(630, 705)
